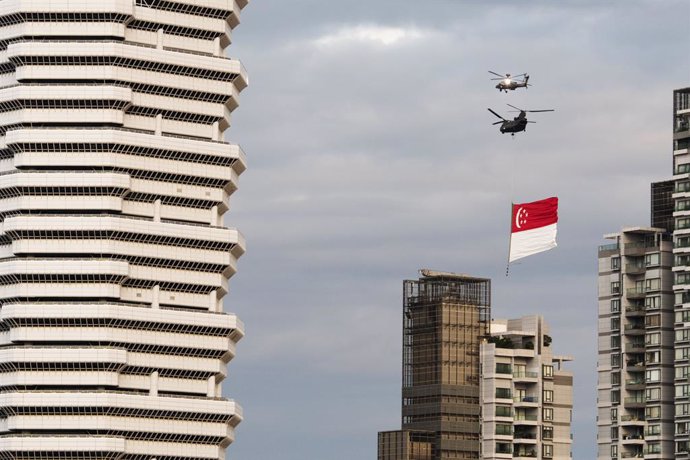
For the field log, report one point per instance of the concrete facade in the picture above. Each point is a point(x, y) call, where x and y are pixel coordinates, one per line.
point(526, 395)
point(635, 365)
point(114, 260)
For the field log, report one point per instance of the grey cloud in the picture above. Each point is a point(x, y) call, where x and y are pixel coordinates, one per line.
point(368, 163)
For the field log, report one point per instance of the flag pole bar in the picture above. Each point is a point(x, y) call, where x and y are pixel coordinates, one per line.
point(510, 237)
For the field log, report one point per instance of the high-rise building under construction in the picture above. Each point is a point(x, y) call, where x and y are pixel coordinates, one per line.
point(114, 260)
point(445, 317)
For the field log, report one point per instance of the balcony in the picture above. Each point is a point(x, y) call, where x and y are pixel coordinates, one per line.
point(525, 376)
point(532, 453)
point(608, 248)
point(635, 293)
point(639, 249)
point(525, 419)
point(634, 402)
point(633, 420)
point(635, 269)
point(526, 399)
point(635, 309)
point(635, 384)
point(637, 454)
point(634, 329)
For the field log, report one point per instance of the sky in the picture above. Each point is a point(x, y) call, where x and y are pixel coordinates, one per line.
point(371, 155)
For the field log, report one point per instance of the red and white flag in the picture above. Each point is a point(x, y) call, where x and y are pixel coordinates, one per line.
point(533, 228)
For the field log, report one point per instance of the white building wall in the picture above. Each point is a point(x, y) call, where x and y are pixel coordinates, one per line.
point(114, 260)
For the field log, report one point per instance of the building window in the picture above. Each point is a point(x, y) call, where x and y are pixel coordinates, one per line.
point(614, 414)
point(652, 284)
point(652, 302)
point(615, 397)
point(547, 433)
point(503, 368)
point(653, 357)
point(616, 287)
point(652, 394)
point(652, 320)
point(615, 341)
point(651, 260)
point(614, 432)
point(682, 447)
point(504, 429)
point(683, 428)
point(504, 448)
point(547, 413)
point(615, 305)
point(683, 316)
point(682, 372)
point(653, 375)
point(615, 378)
point(682, 409)
point(615, 263)
point(547, 371)
point(652, 412)
point(615, 359)
point(653, 430)
point(614, 451)
point(547, 451)
point(682, 391)
point(548, 395)
point(615, 324)
point(682, 353)
point(504, 411)
point(504, 393)
point(653, 338)
point(653, 448)
point(682, 335)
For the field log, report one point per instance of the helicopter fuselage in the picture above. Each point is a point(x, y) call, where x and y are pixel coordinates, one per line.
point(515, 125)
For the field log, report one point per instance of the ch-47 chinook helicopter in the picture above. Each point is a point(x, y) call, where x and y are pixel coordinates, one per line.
point(507, 83)
point(518, 123)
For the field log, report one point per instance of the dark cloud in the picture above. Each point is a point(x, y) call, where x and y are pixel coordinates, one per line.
point(371, 154)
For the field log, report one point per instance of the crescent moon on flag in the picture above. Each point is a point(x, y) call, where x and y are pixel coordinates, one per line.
point(517, 217)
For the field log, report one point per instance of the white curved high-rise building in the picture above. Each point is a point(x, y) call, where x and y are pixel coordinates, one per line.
point(114, 260)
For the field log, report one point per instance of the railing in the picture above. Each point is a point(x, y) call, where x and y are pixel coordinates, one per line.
point(634, 268)
point(634, 382)
point(527, 399)
point(633, 326)
point(635, 291)
point(609, 247)
point(526, 375)
point(634, 400)
point(632, 418)
point(528, 418)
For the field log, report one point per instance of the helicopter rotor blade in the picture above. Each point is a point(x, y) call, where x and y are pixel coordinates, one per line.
point(546, 110)
point(531, 121)
point(496, 79)
point(496, 114)
point(516, 108)
point(521, 75)
point(497, 74)
point(497, 123)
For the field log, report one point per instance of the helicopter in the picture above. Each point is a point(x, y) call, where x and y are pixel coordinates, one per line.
point(507, 83)
point(518, 123)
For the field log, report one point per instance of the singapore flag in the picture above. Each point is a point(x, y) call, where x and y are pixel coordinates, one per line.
point(533, 228)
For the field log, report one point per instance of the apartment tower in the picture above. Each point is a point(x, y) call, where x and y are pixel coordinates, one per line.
point(114, 180)
point(526, 394)
point(445, 317)
point(635, 365)
point(681, 268)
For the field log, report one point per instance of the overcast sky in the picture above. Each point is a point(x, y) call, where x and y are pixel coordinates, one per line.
point(371, 155)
